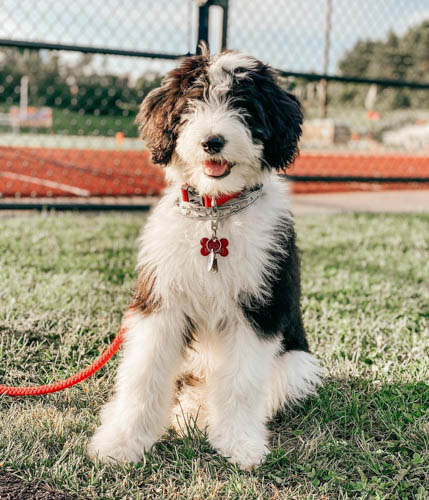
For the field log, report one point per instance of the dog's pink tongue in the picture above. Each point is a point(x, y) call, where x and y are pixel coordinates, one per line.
point(215, 168)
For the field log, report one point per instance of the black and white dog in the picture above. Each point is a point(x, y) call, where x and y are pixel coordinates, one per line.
point(214, 330)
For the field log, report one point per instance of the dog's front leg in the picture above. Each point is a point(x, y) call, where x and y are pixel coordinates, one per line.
point(138, 413)
point(237, 390)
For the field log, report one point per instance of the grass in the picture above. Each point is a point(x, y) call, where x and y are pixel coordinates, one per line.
point(67, 122)
point(65, 281)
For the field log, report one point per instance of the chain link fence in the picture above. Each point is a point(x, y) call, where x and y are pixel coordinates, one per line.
point(73, 74)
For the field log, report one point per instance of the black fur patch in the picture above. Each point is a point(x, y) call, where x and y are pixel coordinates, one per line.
point(273, 115)
point(282, 314)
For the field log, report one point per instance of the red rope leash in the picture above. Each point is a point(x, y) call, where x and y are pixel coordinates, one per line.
point(74, 379)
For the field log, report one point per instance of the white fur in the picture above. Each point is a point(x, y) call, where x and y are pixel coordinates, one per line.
point(237, 388)
point(220, 71)
point(138, 413)
point(212, 116)
point(295, 375)
point(241, 379)
point(181, 271)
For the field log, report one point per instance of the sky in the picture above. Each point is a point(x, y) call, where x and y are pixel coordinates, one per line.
point(288, 34)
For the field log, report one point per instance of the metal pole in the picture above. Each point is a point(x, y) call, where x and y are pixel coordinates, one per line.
point(203, 22)
point(324, 82)
point(23, 97)
point(203, 25)
point(224, 5)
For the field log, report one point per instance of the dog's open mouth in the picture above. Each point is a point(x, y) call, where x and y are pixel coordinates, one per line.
point(217, 168)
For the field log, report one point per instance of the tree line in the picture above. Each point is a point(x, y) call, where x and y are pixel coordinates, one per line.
point(398, 57)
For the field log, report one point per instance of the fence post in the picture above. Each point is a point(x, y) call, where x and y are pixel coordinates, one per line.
point(224, 5)
point(203, 25)
point(324, 82)
point(203, 22)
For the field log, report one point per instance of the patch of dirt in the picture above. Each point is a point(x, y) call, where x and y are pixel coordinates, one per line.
point(14, 488)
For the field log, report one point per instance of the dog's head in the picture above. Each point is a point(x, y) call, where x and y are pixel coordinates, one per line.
point(220, 123)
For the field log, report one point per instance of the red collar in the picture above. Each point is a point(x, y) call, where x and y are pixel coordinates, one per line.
point(206, 200)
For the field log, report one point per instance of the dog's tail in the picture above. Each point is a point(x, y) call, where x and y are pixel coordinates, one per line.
point(295, 376)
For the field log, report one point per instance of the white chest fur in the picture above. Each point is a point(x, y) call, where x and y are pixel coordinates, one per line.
point(170, 248)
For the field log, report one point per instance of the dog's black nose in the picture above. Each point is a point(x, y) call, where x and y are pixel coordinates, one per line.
point(213, 144)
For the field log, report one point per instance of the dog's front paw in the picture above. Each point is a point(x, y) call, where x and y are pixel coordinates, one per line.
point(246, 452)
point(108, 444)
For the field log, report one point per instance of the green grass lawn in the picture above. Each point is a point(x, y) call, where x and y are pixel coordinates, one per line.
point(65, 282)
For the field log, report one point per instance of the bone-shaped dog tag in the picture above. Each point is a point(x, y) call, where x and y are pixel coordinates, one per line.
point(211, 248)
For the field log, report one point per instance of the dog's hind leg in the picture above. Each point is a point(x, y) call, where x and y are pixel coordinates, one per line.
point(138, 413)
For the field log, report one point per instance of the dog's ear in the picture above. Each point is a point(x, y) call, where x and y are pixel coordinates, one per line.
point(160, 112)
point(155, 122)
point(286, 119)
point(283, 120)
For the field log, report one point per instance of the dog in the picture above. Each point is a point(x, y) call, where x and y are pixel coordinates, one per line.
point(214, 332)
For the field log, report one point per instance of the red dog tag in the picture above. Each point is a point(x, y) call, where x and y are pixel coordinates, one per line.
point(214, 244)
point(212, 247)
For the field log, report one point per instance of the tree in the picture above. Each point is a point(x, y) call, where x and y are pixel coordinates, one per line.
point(401, 58)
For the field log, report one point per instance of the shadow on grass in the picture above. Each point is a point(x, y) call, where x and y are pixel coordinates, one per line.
point(356, 437)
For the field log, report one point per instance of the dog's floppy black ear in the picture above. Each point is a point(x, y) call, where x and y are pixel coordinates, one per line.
point(159, 116)
point(282, 149)
point(283, 118)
